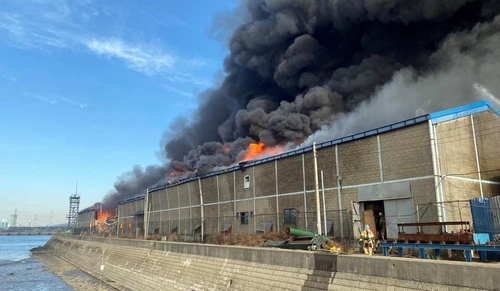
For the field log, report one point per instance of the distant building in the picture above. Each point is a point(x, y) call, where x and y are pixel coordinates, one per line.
point(13, 219)
point(4, 224)
point(91, 218)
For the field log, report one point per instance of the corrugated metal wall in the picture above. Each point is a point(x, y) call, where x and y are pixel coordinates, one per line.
point(482, 217)
point(485, 218)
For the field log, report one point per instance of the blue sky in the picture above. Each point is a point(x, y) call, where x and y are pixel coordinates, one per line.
point(88, 87)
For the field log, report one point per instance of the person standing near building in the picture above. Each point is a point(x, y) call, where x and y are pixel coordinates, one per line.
point(366, 239)
point(381, 226)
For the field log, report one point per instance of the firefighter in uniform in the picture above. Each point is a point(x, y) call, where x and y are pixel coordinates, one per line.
point(366, 239)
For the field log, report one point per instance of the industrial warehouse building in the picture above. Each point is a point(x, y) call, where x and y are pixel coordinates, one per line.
point(424, 169)
point(91, 218)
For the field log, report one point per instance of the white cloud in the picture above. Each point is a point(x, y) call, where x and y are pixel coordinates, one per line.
point(178, 91)
point(196, 62)
point(73, 102)
point(187, 78)
point(10, 78)
point(150, 61)
point(62, 24)
point(41, 98)
point(56, 100)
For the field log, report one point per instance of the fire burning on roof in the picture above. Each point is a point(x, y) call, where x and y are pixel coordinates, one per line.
point(260, 150)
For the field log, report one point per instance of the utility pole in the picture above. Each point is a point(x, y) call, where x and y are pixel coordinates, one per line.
point(201, 210)
point(325, 230)
point(316, 186)
point(146, 218)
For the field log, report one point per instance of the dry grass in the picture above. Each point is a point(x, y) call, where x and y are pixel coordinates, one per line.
point(250, 240)
point(130, 236)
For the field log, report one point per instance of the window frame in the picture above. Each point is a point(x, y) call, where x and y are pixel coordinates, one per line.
point(291, 213)
point(246, 184)
point(244, 217)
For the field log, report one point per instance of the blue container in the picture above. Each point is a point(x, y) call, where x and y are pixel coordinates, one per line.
point(481, 238)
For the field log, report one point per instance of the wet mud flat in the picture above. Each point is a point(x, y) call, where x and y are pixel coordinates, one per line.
point(29, 274)
point(70, 274)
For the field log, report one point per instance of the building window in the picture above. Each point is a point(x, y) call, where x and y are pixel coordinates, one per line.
point(244, 217)
point(246, 182)
point(290, 215)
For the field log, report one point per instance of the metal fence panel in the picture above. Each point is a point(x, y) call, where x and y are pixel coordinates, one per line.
point(484, 222)
point(190, 229)
point(482, 216)
point(495, 210)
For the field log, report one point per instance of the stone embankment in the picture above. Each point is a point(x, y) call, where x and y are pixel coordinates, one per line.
point(154, 265)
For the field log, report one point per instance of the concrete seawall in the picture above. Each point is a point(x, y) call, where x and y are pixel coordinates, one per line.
point(153, 265)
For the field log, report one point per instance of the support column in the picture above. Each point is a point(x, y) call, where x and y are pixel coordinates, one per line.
point(380, 159)
point(339, 194)
point(218, 204)
point(179, 204)
point(477, 156)
point(146, 214)
point(435, 171)
point(304, 185)
point(253, 191)
point(277, 198)
point(316, 191)
point(202, 212)
point(190, 212)
point(169, 225)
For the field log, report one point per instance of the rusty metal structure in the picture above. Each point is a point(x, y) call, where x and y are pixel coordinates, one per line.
point(463, 236)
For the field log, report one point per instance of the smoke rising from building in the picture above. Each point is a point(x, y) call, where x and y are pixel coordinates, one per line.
point(132, 183)
point(300, 71)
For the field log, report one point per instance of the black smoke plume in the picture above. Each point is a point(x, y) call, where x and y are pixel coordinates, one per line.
point(303, 69)
point(133, 183)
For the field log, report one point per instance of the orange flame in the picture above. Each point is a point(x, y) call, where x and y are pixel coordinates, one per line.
point(178, 174)
point(256, 150)
point(104, 215)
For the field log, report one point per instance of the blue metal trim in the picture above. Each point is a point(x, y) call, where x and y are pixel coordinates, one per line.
point(482, 248)
point(462, 111)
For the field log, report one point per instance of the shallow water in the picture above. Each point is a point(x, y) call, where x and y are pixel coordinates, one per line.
point(19, 271)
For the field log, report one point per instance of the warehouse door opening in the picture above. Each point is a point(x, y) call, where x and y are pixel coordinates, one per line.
point(373, 215)
point(399, 211)
point(394, 200)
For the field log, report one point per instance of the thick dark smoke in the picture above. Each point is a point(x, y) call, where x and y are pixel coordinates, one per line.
point(300, 70)
point(296, 66)
point(132, 183)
